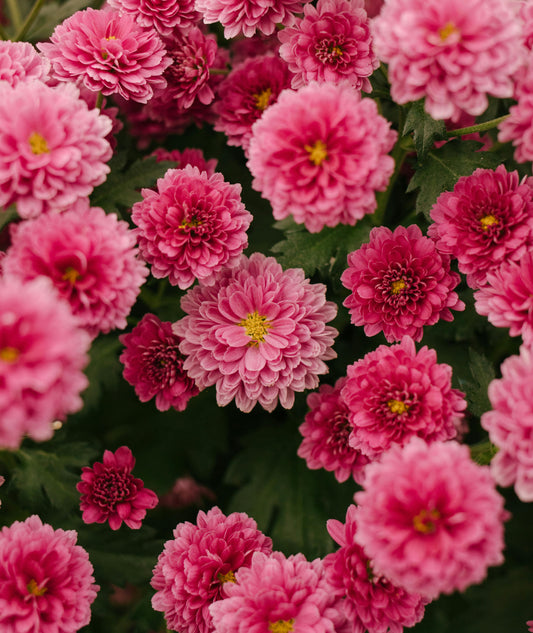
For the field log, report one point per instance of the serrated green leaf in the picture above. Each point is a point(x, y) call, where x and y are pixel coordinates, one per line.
point(424, 128)
point(103, 371)
point(52, 14)
point(476, 390)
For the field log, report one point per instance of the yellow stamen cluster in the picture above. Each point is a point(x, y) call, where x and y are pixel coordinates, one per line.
point(424, 521)
point(281, 626)
point(227, 577)
point(38, 144)
point(318, 152)
point(9, 354)
point(488, 220)
point(262, 99)
point(256, 327)
point(34, 588)
point(448, 29)
point(71, 275)
point(397, 406)
point(397, 286)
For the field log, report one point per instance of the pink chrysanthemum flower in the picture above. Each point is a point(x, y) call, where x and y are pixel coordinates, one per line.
point(243, 48)
point(42, 356)
point(452, 53)
point(19, 61)
point(192, 226)
point(109, 492)
point(325, 435)
point(202, 559)
point(372, 604)
point(486, 220)
point(279, 594)
point(189, 156)
point(91, 258)
point(154, 366)
point(109, 53)
point(185, 493)
point(399, 283)
point(46, 580)
point(518, 127)
point(258, 333)
point(320, 154)
point(165, 16)
point(53, 149)
point(429, 518)
point(332, 43)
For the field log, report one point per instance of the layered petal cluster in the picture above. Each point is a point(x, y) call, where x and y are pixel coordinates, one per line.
point(452, 53)
point(199, 562)
point(332, 43)
point(399, 283)
point(518, 127)
point(430, 519)
point(320, 154)
point(192, 226)
point(19, 61)
point(189, 156)
point(258, 333)
point(109, 491)
point(53, 149)
point(165, 16)
point(46, 580)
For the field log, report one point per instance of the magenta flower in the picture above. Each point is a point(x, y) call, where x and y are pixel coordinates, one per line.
point(325, 435)
point(430, 519)
point(399, 283)
point(154, 366)
point(189, 156)
point(109, 492)
point(199, 562)
point(46, 580)
point(19, 61)
point(258, 333)
point(165, 16)
point(486, 220)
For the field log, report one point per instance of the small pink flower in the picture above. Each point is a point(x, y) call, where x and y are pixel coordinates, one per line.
point(242, 48)
point(189, 156)
point(19, 61)
point(165, 16)
point(186, 492)
point(529, 624)
point(109, 492)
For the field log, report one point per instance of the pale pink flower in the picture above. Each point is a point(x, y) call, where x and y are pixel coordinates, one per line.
point(320, 154)
point(258, 333)
point(429, 518)
point(46, 580)
point(165, 16)
point(399, 283)
point(199, 562)
point(189, 156)
point(19, 61)
point(518, 127)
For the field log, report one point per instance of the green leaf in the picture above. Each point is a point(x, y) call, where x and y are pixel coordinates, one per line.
point(424, 128)
point(476, 390)
point(103, 371)
point(52, 14)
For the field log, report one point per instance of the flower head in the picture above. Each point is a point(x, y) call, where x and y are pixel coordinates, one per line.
point(518, 126)
point(19, 61)
point(165, 16)
point(189, 156)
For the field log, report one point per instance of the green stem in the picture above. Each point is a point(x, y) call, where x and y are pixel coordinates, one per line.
point(219, 71)
point(14, 13)
point(480, 127)
point(3, 34)
point(382, 197)
point(99, 101)
point(23, 30)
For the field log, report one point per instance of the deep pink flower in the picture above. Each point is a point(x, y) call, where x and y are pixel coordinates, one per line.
point(46, 580)
point(332, 43)
point(202, 559)
point(529, 624)
point(518, 127)
point(258, 333)
point(165, 16)
point(189, 156)
point(486, 220)
point(186, 492)
point(242, 48)
point(429, 518)
point(320, 154)
point(399, 283)
point(372, 604)
point(325, 435)
point(52, 148)
point(42, 356)
point(373, 7)
point(109, 53)
point(19, 61)
point(109, 492)
point(452, 53)
point(91, 258)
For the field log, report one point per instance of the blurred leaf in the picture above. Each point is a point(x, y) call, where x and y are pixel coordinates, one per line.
point(52, 14)
point(424, 128)
point(104, 369)
point(476, 391)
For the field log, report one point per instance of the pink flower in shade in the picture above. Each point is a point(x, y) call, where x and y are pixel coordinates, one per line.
point(372, 604)
point(320, 154)
point(486, 220)
point(53, 149)
point(452, 53)
point(202, 559)
point(429, 518)
point(91, 259)
point(189, 156)
point(258, 333)
point(332, 43)
point(529, 624)
point(109, 492)
point(2, 481)
point(373, 7)
point(46, 580)
point(19, 61)
point(192, 226)
point(42, 356)
point(109, 53)
point(154, 366)
point(325, 435)
point(186, 492)
point(243, 48)
point(399, 283)
point(165, 16)
point(518, 127)
point(278, 594)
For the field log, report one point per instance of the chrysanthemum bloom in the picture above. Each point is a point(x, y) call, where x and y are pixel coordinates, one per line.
point(429, 518)
point(399, 283)
point(165, 16)
point(42, 356)
point(109, 53)
point(91, 258)
point(53, 149)
point(332, 43)
point(185, 493)
point(192, 226)
point(325, 435)
point(189, 156)
point(486, 220)
point(242, 48)
point(154, 366)
point(109, 492)
point(320, 154)
point(518, 127)
point(19, 61)
point(278, 595)
point(372, 604)
point(452, 53)
point(258, 333)
point(46, 580)
point(202, 559)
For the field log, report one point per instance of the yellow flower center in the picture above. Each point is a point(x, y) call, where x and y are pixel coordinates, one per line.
point(191, 223)
point(281, 626)
point(397, 406)
point(227, 577)
point(448, 29)
point(38, 144)
point(71, 275)
point(488, 220)
point(9, 354)
point(256, 327)
point(397, 286)
point(34, 588)
point(424, 521)
point(335, 51)
point(318, 152)
point(262, 99)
